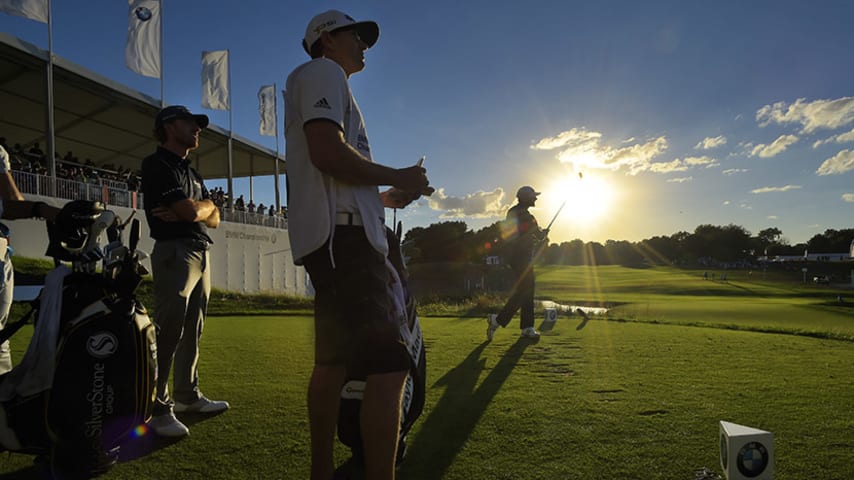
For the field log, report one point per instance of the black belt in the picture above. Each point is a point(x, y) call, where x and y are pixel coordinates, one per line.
point(194, 244)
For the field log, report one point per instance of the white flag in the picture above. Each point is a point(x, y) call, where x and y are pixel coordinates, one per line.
point(32, 9)
point(267, 109)
point(142, 52)
point(215, 80)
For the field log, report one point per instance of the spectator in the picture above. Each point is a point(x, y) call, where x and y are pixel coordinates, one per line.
point(36, 151)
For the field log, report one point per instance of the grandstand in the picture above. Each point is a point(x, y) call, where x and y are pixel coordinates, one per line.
point(109, 126)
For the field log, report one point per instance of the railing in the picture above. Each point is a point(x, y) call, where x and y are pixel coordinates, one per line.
point(240, 216)
point(109, 192)
point(115, 193)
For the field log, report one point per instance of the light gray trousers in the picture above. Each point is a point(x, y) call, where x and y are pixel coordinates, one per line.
point(7, 287)
point(182, 285)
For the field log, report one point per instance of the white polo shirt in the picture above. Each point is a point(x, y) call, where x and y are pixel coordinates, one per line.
point(319, 90)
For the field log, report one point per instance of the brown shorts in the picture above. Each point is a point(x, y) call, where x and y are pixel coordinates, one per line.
point(353, 320)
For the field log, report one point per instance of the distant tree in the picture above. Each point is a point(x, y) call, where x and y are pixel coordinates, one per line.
point(439, 242)
point(622, 252)
point(660, 250)
point(766, 240)
point(831, 241)
point(726, 244)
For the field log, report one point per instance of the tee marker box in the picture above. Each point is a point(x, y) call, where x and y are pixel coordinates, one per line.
point(746, 453)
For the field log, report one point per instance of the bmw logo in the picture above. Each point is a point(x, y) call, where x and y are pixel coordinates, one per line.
point(143, 13)
point(752, 459)
point(102, 345)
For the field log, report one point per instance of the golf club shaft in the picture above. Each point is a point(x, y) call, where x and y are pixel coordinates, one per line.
point(556, 214)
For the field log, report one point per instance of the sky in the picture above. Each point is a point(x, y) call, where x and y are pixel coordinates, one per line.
point(675, 113)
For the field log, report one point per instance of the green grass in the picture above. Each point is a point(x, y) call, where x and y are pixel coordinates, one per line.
point(635, 395)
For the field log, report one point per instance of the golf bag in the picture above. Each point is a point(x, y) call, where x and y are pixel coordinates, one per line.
point(415, 387)
point(88, 377)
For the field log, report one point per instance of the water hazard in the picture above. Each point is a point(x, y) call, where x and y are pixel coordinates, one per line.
point(574, 309)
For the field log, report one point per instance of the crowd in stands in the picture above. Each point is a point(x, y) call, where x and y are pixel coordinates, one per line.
point(69, 167)
point(241, 206)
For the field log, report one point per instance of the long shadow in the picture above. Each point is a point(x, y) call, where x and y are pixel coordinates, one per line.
point(27, 473)
point(455, 416)
point(132, 448)
point(138, 446)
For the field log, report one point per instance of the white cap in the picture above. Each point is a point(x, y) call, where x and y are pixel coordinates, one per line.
point(332, 20)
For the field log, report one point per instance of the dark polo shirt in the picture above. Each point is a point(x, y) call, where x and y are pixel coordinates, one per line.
point(166, 179)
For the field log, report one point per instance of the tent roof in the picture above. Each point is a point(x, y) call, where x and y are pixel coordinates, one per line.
point(99, 119)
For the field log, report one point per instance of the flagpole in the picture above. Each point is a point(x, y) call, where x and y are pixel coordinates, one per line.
point(51, 147)
point(230, 136)
point(160, 33)
point(276, 161)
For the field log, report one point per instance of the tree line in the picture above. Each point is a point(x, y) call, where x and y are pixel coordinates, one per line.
point(707, 244)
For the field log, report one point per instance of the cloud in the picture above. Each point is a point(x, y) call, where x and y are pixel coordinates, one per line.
point(776, 189)
point(848, 197)
point(778, 146)
point(680, 180)
point(475, 205)
point(709, 143)
point(772, 217)
point(840, 163)
point(583, 148)
point(709, 162)
point(667, 167)
point(841, 138)
point(733, 171)
point(828, 114)
point(570, 137)
point(726, 202)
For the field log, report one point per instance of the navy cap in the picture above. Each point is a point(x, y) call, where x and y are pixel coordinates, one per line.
point(173, 112)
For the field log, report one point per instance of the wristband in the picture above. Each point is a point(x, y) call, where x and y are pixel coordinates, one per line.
point(36, 210)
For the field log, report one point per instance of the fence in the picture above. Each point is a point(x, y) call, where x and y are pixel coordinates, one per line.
point(116, 193)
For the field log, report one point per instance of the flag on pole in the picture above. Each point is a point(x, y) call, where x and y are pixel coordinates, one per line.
point(32, 9)
point(142, 52)
point(215, 80)
point(267, 109)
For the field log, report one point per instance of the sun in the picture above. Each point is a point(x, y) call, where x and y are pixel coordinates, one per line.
point(585, 199)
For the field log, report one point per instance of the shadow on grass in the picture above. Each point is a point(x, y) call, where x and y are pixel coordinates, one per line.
point(455, 416)
point(132, 448)
point(138, 446)
point(27, 473)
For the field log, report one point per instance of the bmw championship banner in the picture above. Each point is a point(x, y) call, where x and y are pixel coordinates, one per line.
point(215, 80)
point(33, 9)
point(142, 52)
point(267, 110)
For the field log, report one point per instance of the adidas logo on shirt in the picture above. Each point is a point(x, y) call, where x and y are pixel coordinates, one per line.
point(322, 103)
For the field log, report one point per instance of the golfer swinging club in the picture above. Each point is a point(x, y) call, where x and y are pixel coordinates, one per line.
point(524, 238)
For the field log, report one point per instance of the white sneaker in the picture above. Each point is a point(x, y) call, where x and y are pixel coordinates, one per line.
point(167, 425)
point(492, 326)
point(530, 333)
point(202, 405)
